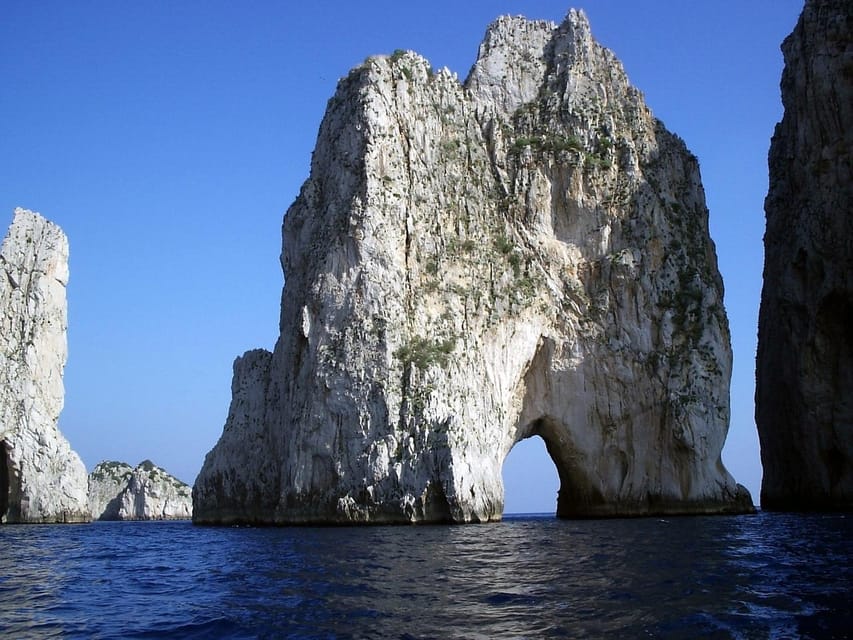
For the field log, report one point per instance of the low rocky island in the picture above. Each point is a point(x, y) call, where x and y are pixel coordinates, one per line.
point(471, 264)
point(118, 491)
point(41, 479)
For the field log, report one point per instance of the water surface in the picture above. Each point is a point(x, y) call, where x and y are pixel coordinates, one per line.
point(764, 576)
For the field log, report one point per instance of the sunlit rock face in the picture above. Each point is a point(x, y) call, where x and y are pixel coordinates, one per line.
point(804, 397)
point(118, 491)
point(41, 478)
point(472, 264)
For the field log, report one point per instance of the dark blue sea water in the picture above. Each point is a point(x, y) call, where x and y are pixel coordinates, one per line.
point(764, 576)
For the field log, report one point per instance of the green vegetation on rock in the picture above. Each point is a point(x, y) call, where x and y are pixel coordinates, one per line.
point(423, 353)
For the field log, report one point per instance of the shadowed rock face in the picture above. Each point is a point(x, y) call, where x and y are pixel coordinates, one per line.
point(804, 396)
point(41, 478)
point(472, 264)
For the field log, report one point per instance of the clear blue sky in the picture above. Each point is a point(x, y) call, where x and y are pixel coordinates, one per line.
point(168, 137)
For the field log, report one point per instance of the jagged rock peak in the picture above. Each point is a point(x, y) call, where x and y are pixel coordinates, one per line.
point(471, 265)
point(520, 58)
point(511, 63)
point(118, 491)
point(804, 410)
point(41, 478)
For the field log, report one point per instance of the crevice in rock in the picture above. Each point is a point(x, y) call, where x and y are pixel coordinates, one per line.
point(5, 484)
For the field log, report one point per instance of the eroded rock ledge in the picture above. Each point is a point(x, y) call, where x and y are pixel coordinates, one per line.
point(472, 264)
point(41, 478)
point(804, 394)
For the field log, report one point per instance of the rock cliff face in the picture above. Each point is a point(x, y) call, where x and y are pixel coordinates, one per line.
point(804, 395)
point(41, 478)
point(119, 492)
point(472, 264)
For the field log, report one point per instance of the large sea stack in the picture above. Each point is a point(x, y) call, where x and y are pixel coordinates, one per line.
point(472, 264)
point(41, 478)
point(804, 396)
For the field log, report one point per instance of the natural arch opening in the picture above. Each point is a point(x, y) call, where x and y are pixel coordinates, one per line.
point(552, 450)
point(4, 481)
point(531, 481)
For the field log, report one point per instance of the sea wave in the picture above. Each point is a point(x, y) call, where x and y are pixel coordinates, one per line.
point(769, 575)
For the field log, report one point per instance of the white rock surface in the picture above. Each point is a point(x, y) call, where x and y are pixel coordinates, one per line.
point(107, 482)
point(41, 478)
point(119, 492)
point(470, 265)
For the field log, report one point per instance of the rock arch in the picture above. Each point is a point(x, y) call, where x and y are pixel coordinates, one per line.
point(561, 399)
point(574, 484)
point(530, 478)
point(470, 264)
point(543, 413)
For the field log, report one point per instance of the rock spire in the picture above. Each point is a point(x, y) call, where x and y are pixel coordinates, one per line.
point(804, 392)
point(472, 264)
point(41, 478)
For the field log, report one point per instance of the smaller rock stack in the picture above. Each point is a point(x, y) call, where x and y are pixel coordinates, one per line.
point(119, 492)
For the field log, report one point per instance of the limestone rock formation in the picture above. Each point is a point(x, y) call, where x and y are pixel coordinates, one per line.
point(119, 492)
point(41, 478)
point(472, 264)
point(107, 482)
point(804, 393)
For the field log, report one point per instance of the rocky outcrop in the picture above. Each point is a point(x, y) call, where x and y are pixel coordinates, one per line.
point(804, 393)
point(472, 264)
point(107, 483)
point(119, 492)
point(41, 478)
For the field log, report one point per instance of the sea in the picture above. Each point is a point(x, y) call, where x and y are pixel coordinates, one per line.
point(531, 576)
